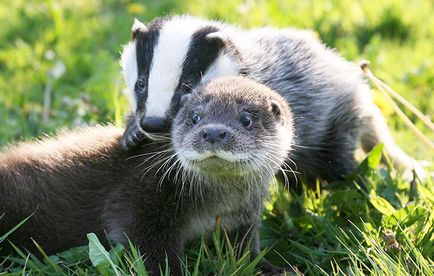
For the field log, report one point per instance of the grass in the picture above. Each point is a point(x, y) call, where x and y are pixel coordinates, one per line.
point(339, 230)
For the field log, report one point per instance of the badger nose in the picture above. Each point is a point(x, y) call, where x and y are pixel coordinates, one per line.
point(214, 135)
point(154, 124)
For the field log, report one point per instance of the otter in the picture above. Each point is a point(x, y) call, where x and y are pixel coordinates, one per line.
point(333, 108)
point(228, 139)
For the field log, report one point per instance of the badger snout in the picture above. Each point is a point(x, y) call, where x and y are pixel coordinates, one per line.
point(154, 124)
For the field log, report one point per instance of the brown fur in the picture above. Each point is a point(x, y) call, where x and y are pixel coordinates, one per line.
point(64, 182)
point(81, 182)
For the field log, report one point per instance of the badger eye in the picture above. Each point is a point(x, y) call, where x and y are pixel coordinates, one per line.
point(196, 118)
point(246, 120)
point(140, 84)
point(187, 89)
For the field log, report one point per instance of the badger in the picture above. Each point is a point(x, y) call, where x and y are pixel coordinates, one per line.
point(334, 113)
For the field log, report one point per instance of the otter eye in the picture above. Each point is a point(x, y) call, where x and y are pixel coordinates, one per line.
point(140, 84)
point(246, 120)
point(196, 118)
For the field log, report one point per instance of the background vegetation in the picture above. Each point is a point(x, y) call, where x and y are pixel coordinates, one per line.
point(71, 48)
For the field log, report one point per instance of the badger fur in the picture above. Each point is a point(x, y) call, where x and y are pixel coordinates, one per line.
point(333, 108)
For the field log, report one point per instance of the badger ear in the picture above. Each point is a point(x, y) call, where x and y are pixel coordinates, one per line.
point(136, 28)
point(276, 110)
point(218, 37)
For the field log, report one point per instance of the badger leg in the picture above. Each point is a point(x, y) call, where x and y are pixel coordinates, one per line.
point(132, 135)
point(375, 131)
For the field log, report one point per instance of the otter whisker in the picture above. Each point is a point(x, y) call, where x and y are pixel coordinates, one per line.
point(148, 153)
point(147, 169)
point(164, 159)
point(253, 183)
point(165, 163)
point(309, 147)
point(166, 173)
point(158, 136)
point(147, 160)
point(281, 168)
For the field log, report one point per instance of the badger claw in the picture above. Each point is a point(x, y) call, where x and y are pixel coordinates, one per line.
point(131, 138)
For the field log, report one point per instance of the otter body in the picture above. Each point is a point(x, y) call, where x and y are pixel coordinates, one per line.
point(160, 195)
point(333, 109)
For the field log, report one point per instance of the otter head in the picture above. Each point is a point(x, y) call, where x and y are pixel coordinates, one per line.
point(233, 127)
point(166, 59)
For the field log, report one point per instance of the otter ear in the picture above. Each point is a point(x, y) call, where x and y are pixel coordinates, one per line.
point(184, 99)
point(276, 110)
point(136, 28)
point(218, 37)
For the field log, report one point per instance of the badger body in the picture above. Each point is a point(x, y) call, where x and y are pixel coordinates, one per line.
point(333, 109)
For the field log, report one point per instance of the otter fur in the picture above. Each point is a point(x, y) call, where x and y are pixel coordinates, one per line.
point(160, 195)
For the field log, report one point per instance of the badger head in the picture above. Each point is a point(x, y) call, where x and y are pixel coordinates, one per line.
point(167, 59)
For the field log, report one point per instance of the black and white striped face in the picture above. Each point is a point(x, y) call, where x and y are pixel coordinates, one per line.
point(167, 59)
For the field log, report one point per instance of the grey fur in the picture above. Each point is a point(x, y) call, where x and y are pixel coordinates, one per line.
point(332, 105)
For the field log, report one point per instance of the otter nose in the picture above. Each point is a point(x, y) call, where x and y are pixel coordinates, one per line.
point(154, 124)
point(214, 135)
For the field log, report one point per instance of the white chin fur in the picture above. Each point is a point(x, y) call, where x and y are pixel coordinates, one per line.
point(225, 155)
